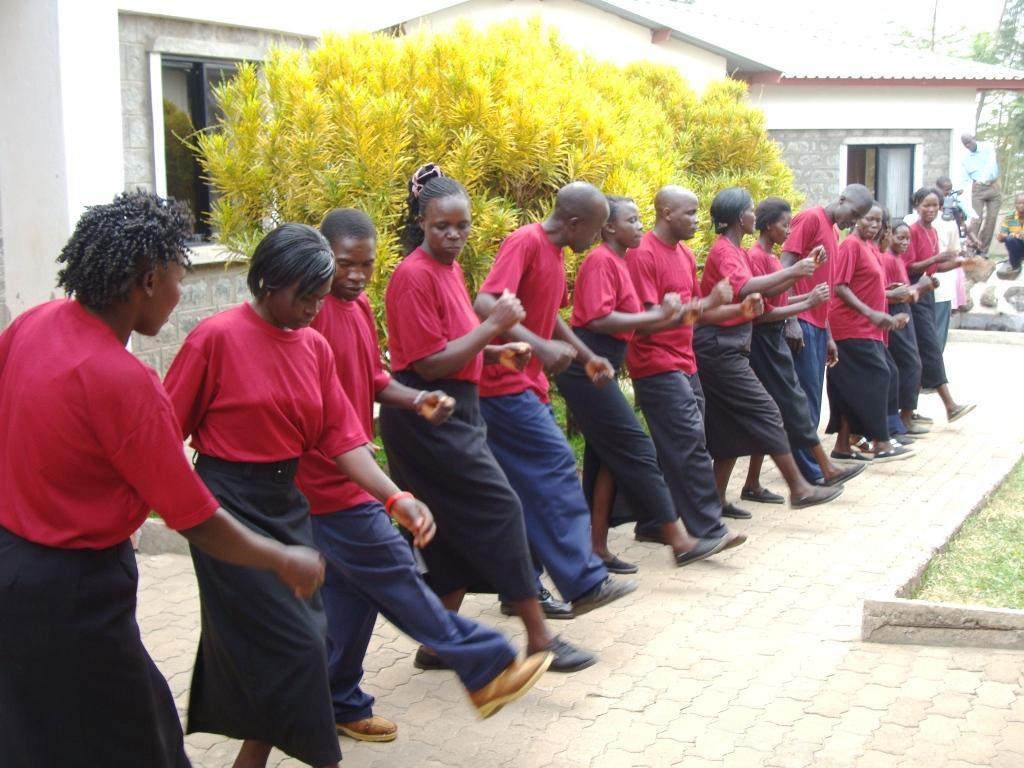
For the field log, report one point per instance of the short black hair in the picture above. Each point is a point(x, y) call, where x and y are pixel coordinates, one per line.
point(923, 192)
point(114, 244)
point(728, 206)
point(292, 254)
point(615, 202)
point(898, 225)
point(769, 211)
point(340, 223)
point(428, 183)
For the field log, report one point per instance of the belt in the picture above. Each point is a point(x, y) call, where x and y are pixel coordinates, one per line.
point(277, 470)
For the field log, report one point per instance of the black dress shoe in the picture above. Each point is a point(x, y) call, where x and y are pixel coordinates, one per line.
point(569, 658)
point(553, 607)
point(606, 592)
point(731, 510)
point(424, 659)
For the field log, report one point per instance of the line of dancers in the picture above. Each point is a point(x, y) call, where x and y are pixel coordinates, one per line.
point(288, 515)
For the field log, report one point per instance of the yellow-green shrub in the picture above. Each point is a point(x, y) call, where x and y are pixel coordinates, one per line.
point(510, 111)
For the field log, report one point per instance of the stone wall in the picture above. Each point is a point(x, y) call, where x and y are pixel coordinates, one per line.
point(209, 288)
point(141, 35)
point(814, 156)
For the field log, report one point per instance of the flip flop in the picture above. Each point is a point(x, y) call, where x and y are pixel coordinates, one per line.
point(853, 456)
point(956, 413)
point(762, 496)
point(848, 473)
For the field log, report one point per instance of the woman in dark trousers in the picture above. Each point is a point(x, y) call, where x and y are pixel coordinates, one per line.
point(437, 342)
point(256, 388)
point(606, 314)
point(742, 418)
point(772, 359)
point(91, 445)
point(922, 257)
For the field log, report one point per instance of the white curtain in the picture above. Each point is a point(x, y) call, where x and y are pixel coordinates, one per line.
point(895, 176)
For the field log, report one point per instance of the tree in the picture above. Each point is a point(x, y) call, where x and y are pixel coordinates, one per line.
point(511, 111)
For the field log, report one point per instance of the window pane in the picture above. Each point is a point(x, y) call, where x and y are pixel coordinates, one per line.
point(181, 166)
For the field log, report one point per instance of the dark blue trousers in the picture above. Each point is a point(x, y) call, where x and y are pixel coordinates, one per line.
point(672, 404)
point(370, 568)
point(541, 469)
point(810, 371)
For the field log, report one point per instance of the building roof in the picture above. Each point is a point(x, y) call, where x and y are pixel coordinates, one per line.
point(756, 52)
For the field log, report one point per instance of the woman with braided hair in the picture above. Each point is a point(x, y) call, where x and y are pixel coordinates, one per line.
point(91, 444)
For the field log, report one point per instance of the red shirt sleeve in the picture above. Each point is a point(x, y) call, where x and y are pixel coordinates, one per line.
point(645, 276)
point(342, 431)
point(416, 322)
point(510, 263)
point(152, 461)
point(381, 377)
point(728, 261)
point(846, 261)
point(596, 294)
point(803, 236)
point(188, 387)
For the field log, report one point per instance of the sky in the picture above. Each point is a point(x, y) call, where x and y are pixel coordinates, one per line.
point(871, 17)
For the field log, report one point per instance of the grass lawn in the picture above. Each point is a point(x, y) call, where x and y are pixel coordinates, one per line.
point(984, 563)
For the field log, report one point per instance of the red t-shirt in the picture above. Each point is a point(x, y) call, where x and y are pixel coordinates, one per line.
point(603, 286)
point(858, 267)
point(350, 329)
point(658, 268)
point(894, 268)
point(428, 306)
point(729, 261)
point(529, 265)
point(764, 263)
point(91, 443)
point(924, 243)
point(810, 229)
point(246, 390)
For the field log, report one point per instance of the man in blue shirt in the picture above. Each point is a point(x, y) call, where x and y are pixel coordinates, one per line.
point(986, 194)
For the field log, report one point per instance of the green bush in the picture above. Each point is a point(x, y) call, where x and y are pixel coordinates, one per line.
point(510, 111)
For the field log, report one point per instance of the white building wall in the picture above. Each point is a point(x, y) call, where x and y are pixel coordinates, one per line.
point(852, 108)
point(601, 34)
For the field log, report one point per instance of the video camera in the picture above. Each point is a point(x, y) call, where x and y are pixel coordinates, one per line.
point(953, 211)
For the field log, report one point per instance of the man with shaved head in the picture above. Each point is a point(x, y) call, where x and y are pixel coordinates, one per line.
point(981, 168)
point(664, 369)
point(813, 233)
point(521, 428)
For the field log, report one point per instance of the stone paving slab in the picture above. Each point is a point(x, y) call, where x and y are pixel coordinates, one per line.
point(750, 659)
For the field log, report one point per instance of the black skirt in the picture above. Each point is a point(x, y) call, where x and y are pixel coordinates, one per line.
point(933, 367)
point(77, 687)
point(614, 438)
point(742, 419)
point(480, 542)
point(772, 361)
point(858, 389)
point(261, 669)
point(903, 347)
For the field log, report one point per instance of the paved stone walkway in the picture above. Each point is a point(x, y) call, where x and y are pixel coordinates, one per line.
point(749, 659)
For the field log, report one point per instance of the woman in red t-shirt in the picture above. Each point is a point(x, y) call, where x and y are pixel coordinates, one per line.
point(742, 418)
point(772, 359)
point(91, 445)
point(619, 455)
point(256, 387)
point(923, 257)
point(436, 342)
point(858, 385)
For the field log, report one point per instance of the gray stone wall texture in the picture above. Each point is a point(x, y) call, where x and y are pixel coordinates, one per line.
point(208, 289)
point(814, 156)
point(137, 37)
